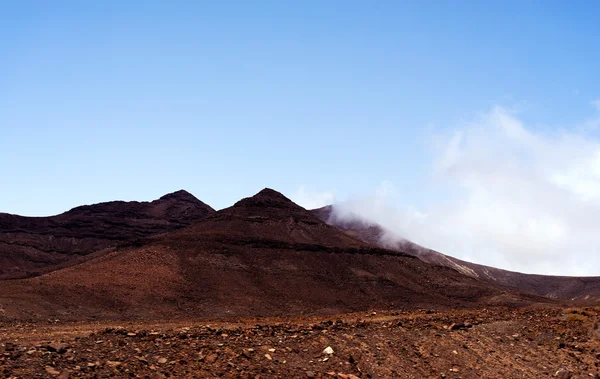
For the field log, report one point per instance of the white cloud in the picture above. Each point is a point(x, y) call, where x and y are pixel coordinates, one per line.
point(515, 198)
point(311, 199)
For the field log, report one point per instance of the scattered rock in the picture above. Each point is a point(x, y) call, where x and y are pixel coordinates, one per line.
point(56, 347)
point(562, 374)
point(211, 358)
point(460, 326)
point(169, 355)
point(52, 371)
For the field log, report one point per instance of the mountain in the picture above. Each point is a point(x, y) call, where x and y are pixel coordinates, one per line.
point(556, 287)
point(355, 226)
point(263, 256)
point(31, 245)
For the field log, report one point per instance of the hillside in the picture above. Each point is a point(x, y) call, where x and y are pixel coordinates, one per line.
point(264, 256)
point(32, 245)
point(556, 287)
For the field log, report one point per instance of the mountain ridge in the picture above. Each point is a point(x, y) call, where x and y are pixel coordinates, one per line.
point(31, 245)
point(552, 286)
point(263, 256)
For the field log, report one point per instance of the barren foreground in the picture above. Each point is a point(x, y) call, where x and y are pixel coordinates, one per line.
point(488, 343)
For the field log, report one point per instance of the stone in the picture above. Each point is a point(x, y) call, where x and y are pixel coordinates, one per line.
point(57, 347)
point(563, 373)
point(52, 371)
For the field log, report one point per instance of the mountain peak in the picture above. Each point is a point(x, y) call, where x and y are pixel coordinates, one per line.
point(272, 194)
point(179, 195)
point(267, 198)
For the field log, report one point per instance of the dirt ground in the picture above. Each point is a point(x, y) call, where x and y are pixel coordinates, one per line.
point(489, 343)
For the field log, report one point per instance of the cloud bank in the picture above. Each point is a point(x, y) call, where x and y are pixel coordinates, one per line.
point(513, 197)
point(311, 199)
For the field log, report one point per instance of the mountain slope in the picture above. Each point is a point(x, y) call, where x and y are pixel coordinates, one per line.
point(29, 245)
point(264, 256)
point(557, 287)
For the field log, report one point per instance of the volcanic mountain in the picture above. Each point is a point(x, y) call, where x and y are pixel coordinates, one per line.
point(31, 245)
point(557, 287)
point(264, 256)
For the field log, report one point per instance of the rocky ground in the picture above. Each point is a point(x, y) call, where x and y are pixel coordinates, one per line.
point(488, 343)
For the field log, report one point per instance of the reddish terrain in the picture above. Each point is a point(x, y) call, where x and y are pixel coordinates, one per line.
point(556, 287)
point(264, 256)
point(483, 343)
point(260, 290)
point(32, 245)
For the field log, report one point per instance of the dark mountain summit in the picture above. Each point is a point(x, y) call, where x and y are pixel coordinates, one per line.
point(268, 216)
point(267, 198)
point(181, 195)
point(29, 245)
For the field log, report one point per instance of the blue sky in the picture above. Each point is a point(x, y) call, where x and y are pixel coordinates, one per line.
point(130, 100)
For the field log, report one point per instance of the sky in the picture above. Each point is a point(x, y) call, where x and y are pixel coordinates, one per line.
point(469, 127)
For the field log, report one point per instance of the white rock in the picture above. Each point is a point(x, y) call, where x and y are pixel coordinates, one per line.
point(328, 350)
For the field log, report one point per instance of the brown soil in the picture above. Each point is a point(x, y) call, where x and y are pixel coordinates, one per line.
point(485, 343)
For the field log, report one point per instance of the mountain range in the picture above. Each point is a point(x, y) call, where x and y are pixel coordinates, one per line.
point(263, 256)
point(33, 245)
